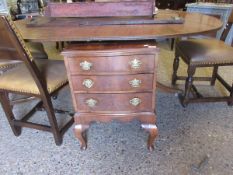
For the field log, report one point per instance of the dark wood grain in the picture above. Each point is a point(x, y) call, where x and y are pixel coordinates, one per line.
point(111, 90)
point(193, 24)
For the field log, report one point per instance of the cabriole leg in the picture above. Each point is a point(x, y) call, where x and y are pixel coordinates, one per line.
point(153, 132)
point(79, 131)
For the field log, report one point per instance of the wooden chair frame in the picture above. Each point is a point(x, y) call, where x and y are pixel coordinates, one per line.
point(19, 51)
point(190, 87)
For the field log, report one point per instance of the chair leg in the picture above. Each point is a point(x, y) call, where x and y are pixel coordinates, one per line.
point(172, 43)
point(52, 120)
point(60, 45)
point(175, 68)
point(4, 99)
point(214, 76)
point(188, 85)
point(230, 103)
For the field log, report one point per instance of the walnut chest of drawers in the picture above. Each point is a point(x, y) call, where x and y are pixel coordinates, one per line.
point(113, 81)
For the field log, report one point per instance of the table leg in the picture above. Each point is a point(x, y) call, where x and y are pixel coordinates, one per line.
point(168, 89)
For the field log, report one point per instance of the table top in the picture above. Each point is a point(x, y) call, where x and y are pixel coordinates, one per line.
point(193, 24)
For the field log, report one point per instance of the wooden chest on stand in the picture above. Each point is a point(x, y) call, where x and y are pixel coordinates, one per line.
point(113, 81)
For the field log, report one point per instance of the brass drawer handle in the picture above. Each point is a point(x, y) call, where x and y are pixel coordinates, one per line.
point(88, 83)
point(135, 101)
point(135, 83)
point(91, 102)
point(135, 63)
point(85, 65)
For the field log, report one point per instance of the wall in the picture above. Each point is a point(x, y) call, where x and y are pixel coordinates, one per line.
point(12, 4)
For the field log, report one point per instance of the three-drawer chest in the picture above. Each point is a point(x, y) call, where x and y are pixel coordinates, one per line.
point(113, 81)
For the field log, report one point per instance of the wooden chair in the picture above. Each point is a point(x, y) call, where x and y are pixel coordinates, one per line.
point(203, 53)
point(41, 78)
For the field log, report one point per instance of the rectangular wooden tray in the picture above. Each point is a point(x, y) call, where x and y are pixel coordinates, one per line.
point(101, 9)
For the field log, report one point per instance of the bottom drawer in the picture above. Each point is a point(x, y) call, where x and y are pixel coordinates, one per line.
point(133, 102)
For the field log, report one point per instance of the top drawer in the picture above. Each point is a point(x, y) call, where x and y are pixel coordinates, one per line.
point(111, 64)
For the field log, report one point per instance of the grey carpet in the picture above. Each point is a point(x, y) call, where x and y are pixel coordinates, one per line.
point(196, 140)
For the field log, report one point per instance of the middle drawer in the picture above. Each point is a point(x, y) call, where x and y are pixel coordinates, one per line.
point(138, 82)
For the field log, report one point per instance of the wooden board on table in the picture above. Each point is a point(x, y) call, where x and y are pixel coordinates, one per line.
point(101, 9)
point(72, 22)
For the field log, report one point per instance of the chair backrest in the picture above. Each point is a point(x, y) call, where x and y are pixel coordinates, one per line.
point(12, 47)
point(229, 38)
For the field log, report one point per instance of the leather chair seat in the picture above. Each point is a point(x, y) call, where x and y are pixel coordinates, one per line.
point(6, 64)
point(19, 78)
point(205, 52)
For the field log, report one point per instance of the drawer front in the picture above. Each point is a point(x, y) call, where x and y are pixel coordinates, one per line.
point(111, 65)
point(139, 82)
point(134, 102)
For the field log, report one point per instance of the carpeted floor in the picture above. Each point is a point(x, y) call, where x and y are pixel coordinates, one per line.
point(196, 140)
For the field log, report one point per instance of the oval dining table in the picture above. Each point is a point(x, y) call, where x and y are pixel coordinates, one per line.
point(68, 29)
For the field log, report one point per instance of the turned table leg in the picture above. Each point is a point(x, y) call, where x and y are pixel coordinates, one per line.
point(79, 131)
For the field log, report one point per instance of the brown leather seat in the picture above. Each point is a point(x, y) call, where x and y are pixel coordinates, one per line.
point(37, 51)
point(22, 81)
point(205, 52)
point(6, 64)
